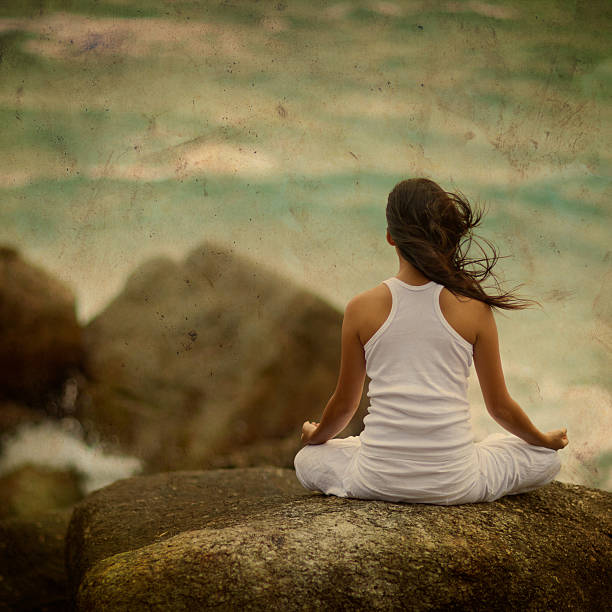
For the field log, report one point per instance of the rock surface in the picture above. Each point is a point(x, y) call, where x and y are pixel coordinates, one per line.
point(210, 362)
point(254, 539)
point(40, 338)
point(31, 489)
point(32, 568)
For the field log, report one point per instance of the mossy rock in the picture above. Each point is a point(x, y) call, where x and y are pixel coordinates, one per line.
point(32, 566)
point(253, 539)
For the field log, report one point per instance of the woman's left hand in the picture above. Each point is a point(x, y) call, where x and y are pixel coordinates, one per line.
point(308, 429)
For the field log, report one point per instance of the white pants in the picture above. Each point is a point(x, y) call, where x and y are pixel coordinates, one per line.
point(502, 464)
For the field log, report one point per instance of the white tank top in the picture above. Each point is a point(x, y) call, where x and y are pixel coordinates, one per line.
point(418, 366)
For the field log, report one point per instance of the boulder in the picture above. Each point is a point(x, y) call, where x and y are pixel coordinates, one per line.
point(210, 362)
point(32, 568)
point(254, 539)
point(31, 489)
point(40, 338)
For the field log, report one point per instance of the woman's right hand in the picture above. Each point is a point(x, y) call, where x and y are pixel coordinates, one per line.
point(308, 428)
point(556, 439)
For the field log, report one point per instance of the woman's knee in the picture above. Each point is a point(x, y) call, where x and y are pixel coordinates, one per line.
point(549, 469)
point(300, 462)
point(301, 458)
point(555, 464)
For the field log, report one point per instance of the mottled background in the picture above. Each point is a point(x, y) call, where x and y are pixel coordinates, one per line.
point(136, 128)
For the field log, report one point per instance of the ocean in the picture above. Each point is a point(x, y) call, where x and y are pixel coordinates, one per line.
point(278, 129)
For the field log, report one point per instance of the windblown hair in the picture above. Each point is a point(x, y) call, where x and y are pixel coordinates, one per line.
point(433, 230)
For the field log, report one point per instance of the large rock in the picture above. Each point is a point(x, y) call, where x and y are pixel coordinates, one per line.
point(254, 539)
point(135, 512)
point(210, 362)
point(32, 567)
point(40, 338)
point(31, 489)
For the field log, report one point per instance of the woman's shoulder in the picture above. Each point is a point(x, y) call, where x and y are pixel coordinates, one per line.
point(465, 314)
point(462, 302)
point(368, 310)
point(364, 301)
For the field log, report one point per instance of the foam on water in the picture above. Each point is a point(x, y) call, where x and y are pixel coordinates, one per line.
point(60, 445)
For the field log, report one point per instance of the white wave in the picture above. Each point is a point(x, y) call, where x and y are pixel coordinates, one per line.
point(60, 445)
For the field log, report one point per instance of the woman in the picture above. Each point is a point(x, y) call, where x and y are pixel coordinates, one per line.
point(416, 336)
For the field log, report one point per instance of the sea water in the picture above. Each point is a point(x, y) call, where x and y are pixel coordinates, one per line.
point(278, 129)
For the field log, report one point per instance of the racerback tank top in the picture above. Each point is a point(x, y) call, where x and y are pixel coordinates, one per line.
point(418, 365)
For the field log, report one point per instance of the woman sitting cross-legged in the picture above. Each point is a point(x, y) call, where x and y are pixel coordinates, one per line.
point(416, 336)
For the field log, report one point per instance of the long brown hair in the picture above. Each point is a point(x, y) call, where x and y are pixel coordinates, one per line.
point(433, 230)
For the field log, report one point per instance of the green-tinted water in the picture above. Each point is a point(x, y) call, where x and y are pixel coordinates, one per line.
point(136, 128)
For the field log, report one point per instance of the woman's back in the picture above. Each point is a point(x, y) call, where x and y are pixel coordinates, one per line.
point(418, 365)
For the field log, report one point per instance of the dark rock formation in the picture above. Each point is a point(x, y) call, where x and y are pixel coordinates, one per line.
point(254, 539)
point(40, 338)
point(210, 362)
point(32, 569)
point(31, 489)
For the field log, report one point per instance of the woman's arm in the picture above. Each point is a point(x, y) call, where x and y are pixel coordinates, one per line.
point(344, 402)
point(500, 405)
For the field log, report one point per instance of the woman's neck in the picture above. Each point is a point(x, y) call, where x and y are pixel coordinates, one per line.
point(409, 274)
